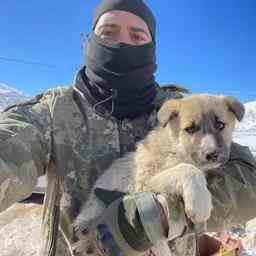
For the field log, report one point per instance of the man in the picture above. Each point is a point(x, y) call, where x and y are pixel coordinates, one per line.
point(74, 134)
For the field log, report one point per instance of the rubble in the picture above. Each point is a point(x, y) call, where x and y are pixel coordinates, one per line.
point(239, 241)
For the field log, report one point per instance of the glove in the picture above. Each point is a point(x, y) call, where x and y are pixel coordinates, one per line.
point(132, 224)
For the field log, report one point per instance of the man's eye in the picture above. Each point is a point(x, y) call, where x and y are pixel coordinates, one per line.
point(107, 34)
point(191, 130)
point(219, 125)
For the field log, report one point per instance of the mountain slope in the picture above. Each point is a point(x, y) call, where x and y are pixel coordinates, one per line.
point(10, 96)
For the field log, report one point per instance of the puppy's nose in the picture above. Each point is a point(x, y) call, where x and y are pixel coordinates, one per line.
point(213, 156)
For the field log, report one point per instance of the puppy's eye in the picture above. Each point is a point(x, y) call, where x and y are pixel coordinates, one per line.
point(219, 125)
point(191, 130)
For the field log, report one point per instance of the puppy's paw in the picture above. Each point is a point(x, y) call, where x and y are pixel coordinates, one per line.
point(197, 199)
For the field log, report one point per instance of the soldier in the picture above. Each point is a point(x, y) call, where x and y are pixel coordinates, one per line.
point(73, 134)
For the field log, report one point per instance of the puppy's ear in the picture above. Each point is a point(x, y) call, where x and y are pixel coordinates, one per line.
point(236, 107)
point(168, 111)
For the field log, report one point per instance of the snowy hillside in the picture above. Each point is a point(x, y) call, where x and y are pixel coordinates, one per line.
point(245, 132)
point(10, 96)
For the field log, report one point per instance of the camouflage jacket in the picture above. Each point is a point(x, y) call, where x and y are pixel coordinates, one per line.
point(59, 134)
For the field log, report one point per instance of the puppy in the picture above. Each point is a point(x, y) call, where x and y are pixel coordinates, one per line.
point(194, 135)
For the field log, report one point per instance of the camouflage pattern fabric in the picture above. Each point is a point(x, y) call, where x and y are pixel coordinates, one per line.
point(60, 134)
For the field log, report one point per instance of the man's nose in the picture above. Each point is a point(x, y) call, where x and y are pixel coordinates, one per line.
point(124, 37)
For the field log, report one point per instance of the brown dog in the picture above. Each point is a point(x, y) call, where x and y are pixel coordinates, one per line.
point(194, 134)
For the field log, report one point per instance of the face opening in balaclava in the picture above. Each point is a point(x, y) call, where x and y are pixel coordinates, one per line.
point(119, 75)
point(136, 7)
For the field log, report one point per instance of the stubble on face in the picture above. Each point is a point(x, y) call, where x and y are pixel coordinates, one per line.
point(123, 27)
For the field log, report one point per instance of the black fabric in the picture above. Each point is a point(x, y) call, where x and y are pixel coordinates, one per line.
point(121, 74)
point(136, 7)
point(108, 196)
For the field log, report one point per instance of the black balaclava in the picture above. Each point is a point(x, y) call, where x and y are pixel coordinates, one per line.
point(136, 7)
point(119, 76)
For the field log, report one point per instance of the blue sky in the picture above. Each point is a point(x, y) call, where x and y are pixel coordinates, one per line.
point(207, 46)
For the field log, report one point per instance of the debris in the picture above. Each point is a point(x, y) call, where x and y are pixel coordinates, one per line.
point(219, 244)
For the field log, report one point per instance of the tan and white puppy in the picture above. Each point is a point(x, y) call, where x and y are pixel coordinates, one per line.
point(194, 135)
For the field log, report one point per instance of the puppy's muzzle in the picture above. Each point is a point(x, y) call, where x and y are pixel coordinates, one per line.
point(215, 158)
point(212, 156)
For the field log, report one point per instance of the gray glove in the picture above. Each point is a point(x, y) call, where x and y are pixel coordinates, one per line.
point(132, 224)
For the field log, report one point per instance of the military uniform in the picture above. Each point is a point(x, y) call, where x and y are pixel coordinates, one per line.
point(60, 134)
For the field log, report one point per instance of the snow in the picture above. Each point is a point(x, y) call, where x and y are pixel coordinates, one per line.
point(5, 89)
point(20, 230)
point(10, 96)
point(245, 132)
point(250, 240)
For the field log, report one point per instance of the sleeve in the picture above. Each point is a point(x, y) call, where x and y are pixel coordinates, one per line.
point(233, 189)
point(25, 146)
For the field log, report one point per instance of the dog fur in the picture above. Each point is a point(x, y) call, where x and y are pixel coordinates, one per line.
point(194, 135)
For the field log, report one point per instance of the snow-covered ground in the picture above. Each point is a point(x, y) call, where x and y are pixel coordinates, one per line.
point(20, 230)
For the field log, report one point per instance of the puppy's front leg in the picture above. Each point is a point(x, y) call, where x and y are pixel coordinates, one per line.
point(197, 198)
point(189, 182)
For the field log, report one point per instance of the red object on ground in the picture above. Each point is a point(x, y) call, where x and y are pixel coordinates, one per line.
point(220, 245)
point(230, 243)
